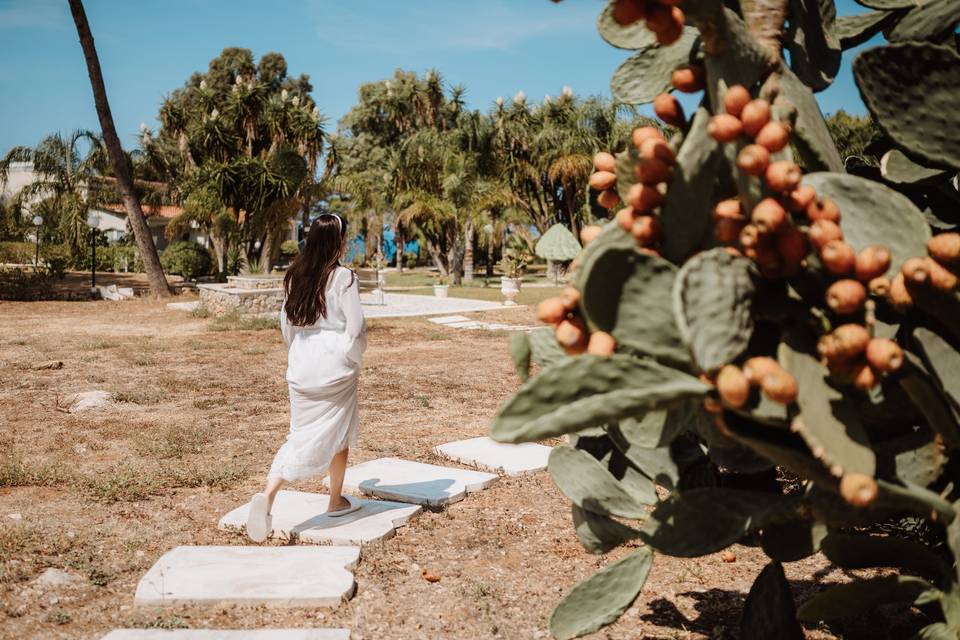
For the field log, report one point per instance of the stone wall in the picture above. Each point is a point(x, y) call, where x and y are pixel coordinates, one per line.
point(222, 299)
point(255, 282)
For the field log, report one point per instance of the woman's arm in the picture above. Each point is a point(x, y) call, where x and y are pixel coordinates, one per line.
point(286, 329)
point(356, 328)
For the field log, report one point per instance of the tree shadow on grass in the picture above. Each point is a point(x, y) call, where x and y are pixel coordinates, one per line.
point(718, 616)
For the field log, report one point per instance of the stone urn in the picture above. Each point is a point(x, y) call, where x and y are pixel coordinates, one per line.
point(510, 288)
point(441, 290)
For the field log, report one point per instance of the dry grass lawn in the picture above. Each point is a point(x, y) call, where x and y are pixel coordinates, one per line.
point(196, 417)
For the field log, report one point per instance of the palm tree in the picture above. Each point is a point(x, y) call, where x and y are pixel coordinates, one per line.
point(121, 167)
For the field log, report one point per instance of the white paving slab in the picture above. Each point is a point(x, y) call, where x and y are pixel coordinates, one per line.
point(298, 516)
point(485, 453)
point(223, 634)
point(415, 482)
point(397, 305)
point(289, 576)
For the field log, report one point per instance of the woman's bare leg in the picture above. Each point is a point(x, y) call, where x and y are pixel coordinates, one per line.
point(272, 489)
point(338, 466)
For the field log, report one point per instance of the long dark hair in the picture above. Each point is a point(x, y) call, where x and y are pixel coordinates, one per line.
point(306, 280)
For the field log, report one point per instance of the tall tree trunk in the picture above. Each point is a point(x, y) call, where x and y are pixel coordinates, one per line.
point(220, 248)
point(401, 243)
point(468, 237)
point(266, 249)
point(148, 250)
point(455, 253)
point(437, 256)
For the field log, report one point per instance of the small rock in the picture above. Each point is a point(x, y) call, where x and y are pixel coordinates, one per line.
point(15, 516)
point(430, 576)
point(728, 556)
point(89, 400)
point(50, 365)
point(57, 578)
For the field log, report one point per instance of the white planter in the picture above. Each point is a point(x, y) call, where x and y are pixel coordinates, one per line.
point(441, 290)
point(510, 288)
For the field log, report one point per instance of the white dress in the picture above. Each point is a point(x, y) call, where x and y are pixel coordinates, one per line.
point(323, 366)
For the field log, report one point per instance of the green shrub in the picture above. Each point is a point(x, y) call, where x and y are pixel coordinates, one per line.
point(22, 284)
point(187, 259)
point(56, 258)
point(17, 252)
point(289, 248)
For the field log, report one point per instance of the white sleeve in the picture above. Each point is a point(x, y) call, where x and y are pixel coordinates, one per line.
point(356, 328)
point(286, 329)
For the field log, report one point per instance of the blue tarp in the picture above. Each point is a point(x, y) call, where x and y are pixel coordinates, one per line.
point(357, 246)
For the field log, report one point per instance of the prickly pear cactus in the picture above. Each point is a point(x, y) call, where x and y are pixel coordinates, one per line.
point(750, 308)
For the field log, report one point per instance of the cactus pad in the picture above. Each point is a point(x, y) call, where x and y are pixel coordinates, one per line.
point(858, 597)
point(928, 20)
point(855, 30)
point(601, 598)
point(864, 551)
point(942, 360)
point(769, 611)
point(626, 177)
point(599, 534)
point(633, 36)
point(544, 349)
point(828, 421)
point(712, 299)
point(898, 168)
point(813, 140)
point(813, 42)
point(647, 73)
point(520, 352)
point(911, 90)
point(557, 243)
point(701, 521)
point(888, 5)
point(626, 293)
point(686, 213)
point(793, 540)
point(875, 214)
point(589, 485)
point(587, 391)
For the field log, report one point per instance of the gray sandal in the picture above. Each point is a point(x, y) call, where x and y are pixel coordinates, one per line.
point(354, 506)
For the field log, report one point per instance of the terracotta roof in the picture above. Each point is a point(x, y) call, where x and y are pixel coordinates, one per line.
point(164, 210)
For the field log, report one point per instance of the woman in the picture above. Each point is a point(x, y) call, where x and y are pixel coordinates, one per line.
point(323, 326)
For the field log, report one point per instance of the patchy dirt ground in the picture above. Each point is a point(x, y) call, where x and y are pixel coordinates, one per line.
point(196, 418)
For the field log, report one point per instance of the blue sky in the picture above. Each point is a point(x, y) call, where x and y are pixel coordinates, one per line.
point(148, 48)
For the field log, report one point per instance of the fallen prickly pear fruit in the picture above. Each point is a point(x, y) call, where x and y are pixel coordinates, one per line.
point(688, 79)
point(945, 248)
point(728, 556)
point(838, 257)
point(608, 199)
point(551, 311)
point(769, 215)
point(733, 386)
point(735, 99)
point(783, 176)
point(603, 180)
point(845, 297)
point(872, 263)
point(823, 232)
point(755, 115)
point(774, 136)
point(604, 161)
point(601, 344)
point(753, 159)
point(858, 490)
point(669, 110)
point(725, 128)
point(884, 355)
point(823, 209)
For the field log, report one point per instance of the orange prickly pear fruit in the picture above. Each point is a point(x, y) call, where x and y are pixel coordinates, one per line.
point(669, 110)
point(657, 149)
point(572, 336)
point(590, 233)
point(872, 263)
point(838, 257)
point(647, 230)
point(774, 136)
point(865, 378)
point(603, 180)
point(759, 367)
point(846, 297)
point(945, 248)
point(608, 199)
point(916, 270)
point(884, 355)
point(941, 278)
point(570, 297)
point(728, 209)
point(733, 386)
point(688, 79)
point(780, 387)
point(659, 17)
point(644, 197)
point(880, 287)
point(750, 236)
point(755, 115)
point(783, 176)
point(847, 341)
point(899, 295)
point(769, 215)
point(724, 127)
point(625, 218)
point(674, 30)
point(601, 344)
point(626, 12)
point(727, 230)
point(800, 198)
point(653, 171)
point(858, 490)
point(823, 209)
point(753, 159)
point(793, 247)
point(604, 161)
point(735, 99)
point(823, 232)
point(551, 311)
point(643, 133)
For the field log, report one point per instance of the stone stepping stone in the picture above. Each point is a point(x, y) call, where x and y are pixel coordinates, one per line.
point(221, 634)
point(269, 576)
point(298, 515)
point(449, 319)
point(415, 482)
point(485, 453)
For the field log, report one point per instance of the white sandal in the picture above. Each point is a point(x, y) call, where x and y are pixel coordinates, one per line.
point(354, 506)
point(259, 522)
